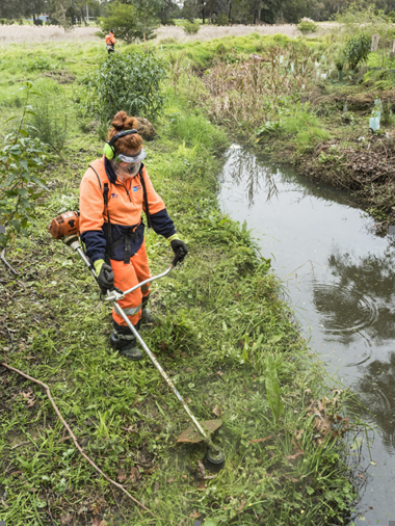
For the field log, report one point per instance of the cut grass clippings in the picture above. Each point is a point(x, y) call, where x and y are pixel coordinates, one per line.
point(222, 334)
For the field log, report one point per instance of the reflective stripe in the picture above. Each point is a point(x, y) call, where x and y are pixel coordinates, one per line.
point(132, 311)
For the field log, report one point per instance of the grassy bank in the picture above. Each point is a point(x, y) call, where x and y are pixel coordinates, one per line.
point(284, 97)
point(222, 334)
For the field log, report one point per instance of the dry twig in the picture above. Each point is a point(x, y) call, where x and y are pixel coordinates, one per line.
point(7, 264)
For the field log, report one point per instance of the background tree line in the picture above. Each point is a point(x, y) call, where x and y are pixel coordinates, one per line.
point(69, 12)
point(272, 11)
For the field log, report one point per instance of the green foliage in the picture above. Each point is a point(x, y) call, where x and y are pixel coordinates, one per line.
point(307, 26)
point(221, 20)
point(298, 124)
point(128, 82)
point(49, 123)
point(128, 22)
point(357, 50)
point(197, 131)
point(351, 20)
point(268, 127)
point(273, 390)
point(191, 28)
point(340, 61)
point(21, 159)
point(391, 16)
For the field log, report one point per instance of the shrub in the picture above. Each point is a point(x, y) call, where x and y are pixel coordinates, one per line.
point(307, 26)
point(49, 122)
point(125, 82)
point(357, 50)
point(222, 20)
point(38, 22)
point(128, 22)
point(191, 28)
point(21, 158)
point(391, 17)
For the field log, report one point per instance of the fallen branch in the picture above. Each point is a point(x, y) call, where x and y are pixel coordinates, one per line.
point(7, 264)
point(73, 436)
point(21, 444)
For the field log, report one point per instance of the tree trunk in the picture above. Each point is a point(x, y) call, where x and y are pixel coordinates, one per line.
point(259, 15)
point(34, 18)
point(83, 16)
point(203, 15)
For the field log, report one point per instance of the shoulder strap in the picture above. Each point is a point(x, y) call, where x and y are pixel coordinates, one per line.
point(149, 224)
point(105, 197)
point(98, 178)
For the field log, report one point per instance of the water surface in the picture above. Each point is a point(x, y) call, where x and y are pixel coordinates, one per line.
point(340, 278)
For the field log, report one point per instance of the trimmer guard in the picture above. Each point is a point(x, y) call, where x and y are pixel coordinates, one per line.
point(192, 436)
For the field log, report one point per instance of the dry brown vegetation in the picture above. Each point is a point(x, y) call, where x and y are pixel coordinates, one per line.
point(238, 91)
point(35, 34)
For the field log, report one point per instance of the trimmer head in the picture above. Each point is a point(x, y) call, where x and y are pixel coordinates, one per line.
point(192, 435)
point(214, 461)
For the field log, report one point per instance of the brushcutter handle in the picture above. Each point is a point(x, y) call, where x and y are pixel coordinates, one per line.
point(177, 257)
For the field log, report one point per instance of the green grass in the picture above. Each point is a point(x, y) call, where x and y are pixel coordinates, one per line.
point(220, 320)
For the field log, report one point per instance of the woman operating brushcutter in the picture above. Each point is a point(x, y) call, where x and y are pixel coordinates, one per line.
point(113, 193)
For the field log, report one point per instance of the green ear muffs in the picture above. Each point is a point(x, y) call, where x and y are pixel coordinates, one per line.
point(109, 150)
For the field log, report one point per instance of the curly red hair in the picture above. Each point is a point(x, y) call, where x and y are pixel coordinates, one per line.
point(131, 143)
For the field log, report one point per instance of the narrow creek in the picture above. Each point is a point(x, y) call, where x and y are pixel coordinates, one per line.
point(340, 280)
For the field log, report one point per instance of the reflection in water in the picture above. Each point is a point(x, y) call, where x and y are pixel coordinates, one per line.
point(367, 293)
point(377, 388)
point(346, 304)
point(247, 171)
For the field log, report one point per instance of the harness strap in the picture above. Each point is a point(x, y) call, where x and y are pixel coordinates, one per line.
point(107, 256)
point(149, 223)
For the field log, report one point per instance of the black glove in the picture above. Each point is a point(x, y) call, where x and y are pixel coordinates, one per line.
point(176, 245)
point(106, 278)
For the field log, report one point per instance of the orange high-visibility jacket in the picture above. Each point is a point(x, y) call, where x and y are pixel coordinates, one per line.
point(110, 39)
point(125, 207)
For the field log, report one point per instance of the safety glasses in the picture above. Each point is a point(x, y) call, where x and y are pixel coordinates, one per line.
point(131, 159)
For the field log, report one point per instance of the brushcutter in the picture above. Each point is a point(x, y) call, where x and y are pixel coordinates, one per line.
point(66, 228)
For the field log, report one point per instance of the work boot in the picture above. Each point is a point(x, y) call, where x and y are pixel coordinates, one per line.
point(127, 348)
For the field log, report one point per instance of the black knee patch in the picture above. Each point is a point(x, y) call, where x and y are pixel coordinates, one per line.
point(124, 329)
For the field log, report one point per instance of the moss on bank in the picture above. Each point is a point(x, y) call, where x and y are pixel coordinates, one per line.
point(219, 321)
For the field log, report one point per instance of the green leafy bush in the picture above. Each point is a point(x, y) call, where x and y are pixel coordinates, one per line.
point(191, 28)
point(124, 82)
point(49, 121)
point(21, 159)
point(128, 22)
point(307, 26)
point(391, 17)
point(357, 50)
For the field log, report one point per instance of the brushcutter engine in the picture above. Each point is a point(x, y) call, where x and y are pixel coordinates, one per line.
point(67, 224)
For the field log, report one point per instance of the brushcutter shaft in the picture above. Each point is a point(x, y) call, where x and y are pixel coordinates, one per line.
point(111, 297)
point(72, 242)
point(158, 366)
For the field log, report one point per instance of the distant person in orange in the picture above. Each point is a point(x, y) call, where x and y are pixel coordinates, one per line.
point(110, 41)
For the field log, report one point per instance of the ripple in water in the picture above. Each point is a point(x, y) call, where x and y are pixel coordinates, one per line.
point(342, 309)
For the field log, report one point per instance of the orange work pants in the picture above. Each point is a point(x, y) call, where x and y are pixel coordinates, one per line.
point(126, 276)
